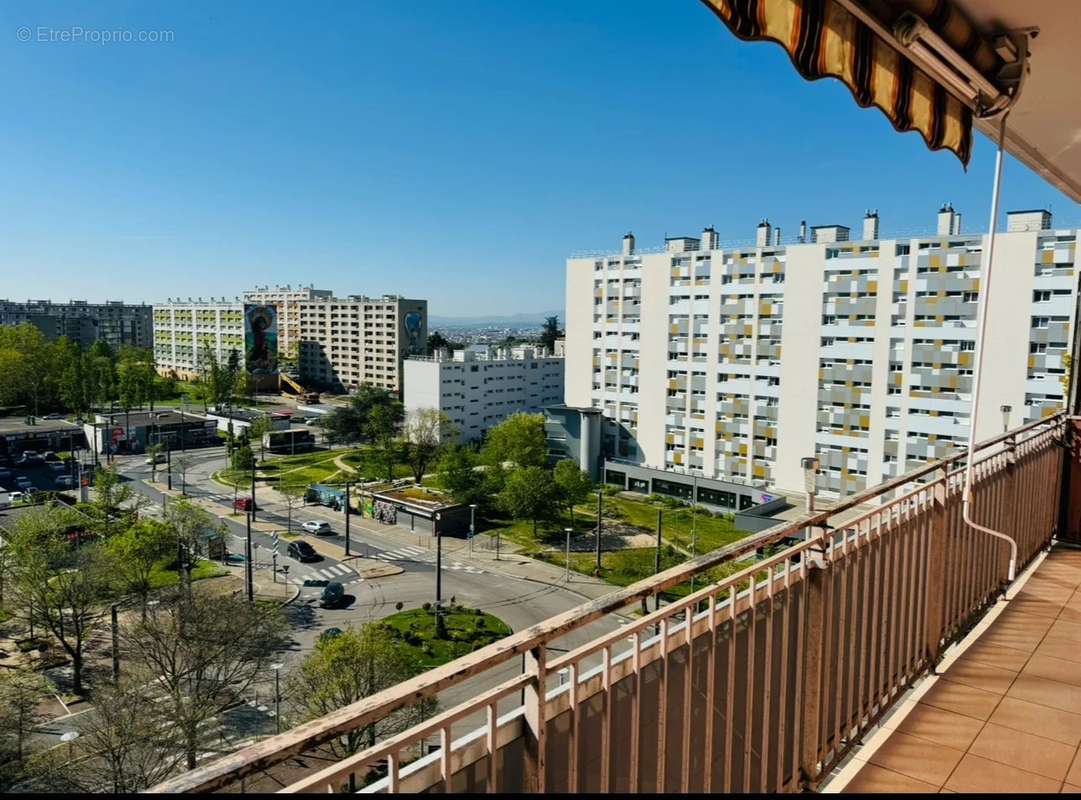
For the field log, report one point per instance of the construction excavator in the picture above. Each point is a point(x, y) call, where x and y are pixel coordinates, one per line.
point(302, 394)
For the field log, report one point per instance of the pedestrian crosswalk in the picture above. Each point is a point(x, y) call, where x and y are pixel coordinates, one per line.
point(413, 553)
point(335, 572)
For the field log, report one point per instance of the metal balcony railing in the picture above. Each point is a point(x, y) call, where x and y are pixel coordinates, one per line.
point(760, 681)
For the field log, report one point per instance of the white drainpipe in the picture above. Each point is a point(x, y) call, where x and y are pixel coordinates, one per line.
point(985, 294)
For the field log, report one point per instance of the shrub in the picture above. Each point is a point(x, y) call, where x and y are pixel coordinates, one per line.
point(427, 606)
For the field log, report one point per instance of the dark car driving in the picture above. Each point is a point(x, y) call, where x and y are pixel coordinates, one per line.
point(332, 595)
point(302, 551)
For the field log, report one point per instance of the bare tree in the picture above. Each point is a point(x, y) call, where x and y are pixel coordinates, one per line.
point(127, 745)
point(21, 693)
point(205, 652)
point(426, 431)
point(294, 498)
point(58, 583)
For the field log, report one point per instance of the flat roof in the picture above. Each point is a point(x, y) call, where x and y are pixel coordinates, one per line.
point(166, 417)
point(13, 425)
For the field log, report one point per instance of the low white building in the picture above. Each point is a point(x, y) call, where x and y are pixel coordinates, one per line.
point(481, 386)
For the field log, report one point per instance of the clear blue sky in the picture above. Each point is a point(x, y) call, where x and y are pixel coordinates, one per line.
point(457, 150)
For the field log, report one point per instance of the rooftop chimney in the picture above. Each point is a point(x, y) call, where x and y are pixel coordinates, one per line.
point(957, 223)
point(709, 238)
point(1037, 219)
point(945, 220)
point(762, 235)
point(777, 237)
point(870, 225)
point(628, 244)
point(803, 230)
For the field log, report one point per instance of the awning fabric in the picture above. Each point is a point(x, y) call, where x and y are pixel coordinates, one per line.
point(824, 39)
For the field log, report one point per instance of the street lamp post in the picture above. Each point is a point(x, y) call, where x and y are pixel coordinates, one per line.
point(253, 487)
point(247, 562)
point(657, 558)
point(440, 625)
point(277, 667)
point(348, 511)
point(568, 531)
point(472, 525)
point(169, 460)
point(694, 521)
point(600, 509)
point(810, 470)
point(1006, 409)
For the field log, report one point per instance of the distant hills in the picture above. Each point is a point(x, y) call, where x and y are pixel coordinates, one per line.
point(512, 320)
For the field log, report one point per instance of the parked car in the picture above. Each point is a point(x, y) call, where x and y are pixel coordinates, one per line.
point(24, 483)
point(333, 594)
point(318, 527)
point(29, 457)
point(50, 457)
point(15, 497)
point(65, 482)
point(157, 458)
point(302, 551)
point(5, 474)
point(58, 466)
point(53, 415)
point(242, 504)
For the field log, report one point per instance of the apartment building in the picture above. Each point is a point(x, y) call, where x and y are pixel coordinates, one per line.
point(682, 348)
point(349, 341)
point(114, 322)
point(287, 299)
point(480, 386)
point(185, 330)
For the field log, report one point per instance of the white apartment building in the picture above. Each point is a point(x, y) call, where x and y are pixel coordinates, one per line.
point(184, 330)
point(349, 341)
point(287, 299)
point(480, 386)
point(682, 348)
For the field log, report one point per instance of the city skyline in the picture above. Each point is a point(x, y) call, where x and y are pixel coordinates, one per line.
point(497, 145)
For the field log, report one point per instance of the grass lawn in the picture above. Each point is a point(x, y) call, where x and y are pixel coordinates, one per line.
point(163, 575)
point(624, 567)
point(317, 466)
point(368, 467)
point(467, 630)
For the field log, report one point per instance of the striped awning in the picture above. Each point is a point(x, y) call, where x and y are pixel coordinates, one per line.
point(825, 39)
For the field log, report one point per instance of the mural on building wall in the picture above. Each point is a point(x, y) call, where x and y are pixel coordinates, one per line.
point(261, 338)
point(414, 324)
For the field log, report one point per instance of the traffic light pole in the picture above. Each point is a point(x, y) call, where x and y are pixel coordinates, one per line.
point(247, 562)
point(347, 514)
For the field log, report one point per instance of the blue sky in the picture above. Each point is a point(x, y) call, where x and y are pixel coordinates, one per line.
point(457, 150)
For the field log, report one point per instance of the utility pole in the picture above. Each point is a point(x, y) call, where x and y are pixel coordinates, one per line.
point(657, 558)
point(253, 486)
point(440, 625)
point(472, 525)
point(247, 562)
point(694, 520)
point(600, 511)
point(169, 460)
point(568, 556)
point(116, 645)
point(347, 514)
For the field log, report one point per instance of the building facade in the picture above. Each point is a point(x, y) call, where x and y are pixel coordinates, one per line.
point(185, 330)
point(349, 341)
point(114, 322)
point(288, 300)
point(480, 386)
point(682, 349)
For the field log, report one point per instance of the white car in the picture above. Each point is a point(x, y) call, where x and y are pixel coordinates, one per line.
point(317, 527)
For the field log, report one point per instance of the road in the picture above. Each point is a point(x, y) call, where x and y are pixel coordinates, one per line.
point(478, 583)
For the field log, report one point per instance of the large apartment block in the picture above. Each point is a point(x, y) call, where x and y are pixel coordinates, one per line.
point(737, 363)
point(114, 322)
point(184, 331)
point(349, 341)
point(288, 300)
point(480, 386)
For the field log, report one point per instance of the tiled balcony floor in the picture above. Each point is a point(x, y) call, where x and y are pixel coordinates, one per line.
point(1004, 715)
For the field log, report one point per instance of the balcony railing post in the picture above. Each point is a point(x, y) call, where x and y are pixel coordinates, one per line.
point(535, 723)
point(936, 569)
point(815, 644)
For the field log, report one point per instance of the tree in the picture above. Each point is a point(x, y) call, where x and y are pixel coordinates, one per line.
point(550, 332)
point(353, 422)
point(382, 429)
point(426, 431)
point(243, 459)
point(437, 341)
point(573, 485)
point(115, 504)
point(21, 692)
point(58, 583)
point(260, 426)
point(191, 526)
point(348, 668)
point(519, 439)
point(220, 378)
point(458, 475)
point(128, 744)
point(152, 452)
point(529, 493)
point(136, 552)
point(201, 655)
point(294, 498)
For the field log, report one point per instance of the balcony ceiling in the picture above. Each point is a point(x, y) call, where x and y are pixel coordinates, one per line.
point(1044, 128)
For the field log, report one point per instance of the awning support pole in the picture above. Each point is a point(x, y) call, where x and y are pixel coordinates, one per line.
point(981, 335)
